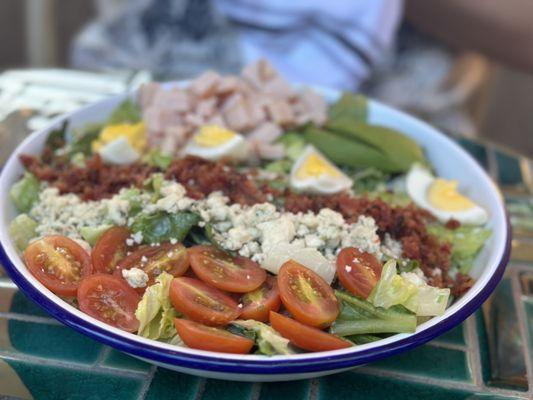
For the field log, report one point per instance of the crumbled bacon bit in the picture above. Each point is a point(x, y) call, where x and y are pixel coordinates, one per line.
point(201, 177)
point(95, 181)
point(453, 224)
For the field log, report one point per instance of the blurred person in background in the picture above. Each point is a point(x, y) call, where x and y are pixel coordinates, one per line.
point(347, 45)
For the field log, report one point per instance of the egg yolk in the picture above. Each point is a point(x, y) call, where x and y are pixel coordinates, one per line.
point(213, 136)
point(134, 133)
point(315, 166)
point(444, 195)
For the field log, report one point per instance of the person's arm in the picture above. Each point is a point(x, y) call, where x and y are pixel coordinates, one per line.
point(501, 29)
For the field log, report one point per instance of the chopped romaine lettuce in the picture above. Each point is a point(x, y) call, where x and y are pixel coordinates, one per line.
point(92, 233)
point(408, 290)
point(391, 288)
point(22, 229)
point(126, 113)
point(25, 192)
point(56, 138)
point(155, 312)
point(360, 317)
point(294, 144)
point(162, 226)
point(83, 139)
point(158, 159)
point(269, 342)
point(466, 242)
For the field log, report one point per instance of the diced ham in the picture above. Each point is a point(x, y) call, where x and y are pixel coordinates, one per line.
point(206, 107)
point(267, 132)
point(235, 113)
point(316, 106)
point(147, 93)
point(228, 84)
point(280, 112)
point(205, 85)
point(176, 99)
point(267, 151)
point(258, 73)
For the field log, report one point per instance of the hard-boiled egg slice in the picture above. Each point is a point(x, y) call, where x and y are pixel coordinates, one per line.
point(121, 144)
point(119, 152)
point(442, 198)
point(314, 173)
point(213, 142)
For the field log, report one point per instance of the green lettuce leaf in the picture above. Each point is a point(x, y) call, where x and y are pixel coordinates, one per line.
point(83, 139)
point(408, 290)
point(127, 112)
point(162, 226)
point(158, 159)
point(22, 230)
point(466, 242)
point(155, 312)
point(269, 342)
point(92, 233)
point(25, 192)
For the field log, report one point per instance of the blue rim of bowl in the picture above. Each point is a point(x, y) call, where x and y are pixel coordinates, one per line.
point(262, 367)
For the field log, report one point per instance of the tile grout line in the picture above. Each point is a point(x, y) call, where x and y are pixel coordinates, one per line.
point(492, 166)
point(442, 383)
point(313, 390)
point(519, 307)
point(255, 392)
point(201, 389)
point(448, 346)
point(65, 364)
point(147, 383)
point(29, 318)
point(474, 359)
point(102, 356)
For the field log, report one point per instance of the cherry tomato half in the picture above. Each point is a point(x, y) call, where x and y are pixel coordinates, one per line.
point(203, 337)
point(58, 263)
point(306, 295)
point(110, 249)
point(109, 299)
point(306, 337)
point(218, 269)
point(358, 272)
point(261, 301)
point(154, 260)
point(202, 303)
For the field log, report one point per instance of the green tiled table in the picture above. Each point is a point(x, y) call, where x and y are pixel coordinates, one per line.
point(488, 356)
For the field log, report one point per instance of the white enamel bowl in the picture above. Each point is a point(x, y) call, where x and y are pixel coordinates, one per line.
point(449, 160)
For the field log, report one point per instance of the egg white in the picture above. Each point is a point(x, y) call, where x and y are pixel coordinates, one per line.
point(119, 152)
point(324, 184)
point(235, 149)
point(418, 182)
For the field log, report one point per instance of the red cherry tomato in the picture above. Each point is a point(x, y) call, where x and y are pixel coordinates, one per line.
point(202, 303)
point(306, 295)
point(203, 337)
point(109, 299)
point(218, 269)
point(110, 249)
point(153, 260)
point(358, 272)
point(58, 263)
point(258, 304)
point(306, 337)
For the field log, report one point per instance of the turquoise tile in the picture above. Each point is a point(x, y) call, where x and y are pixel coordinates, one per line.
point(475, 149)
point(52, 382)
point(454, 336)
point(168, 384)
point(296, 390)
point(226, 390)
point(504, 363)
point(118, 359)
point(356, 386)
point(23, 305)
point(528, 307)
point(49, 341)
point(509, 169)
point(452, 364)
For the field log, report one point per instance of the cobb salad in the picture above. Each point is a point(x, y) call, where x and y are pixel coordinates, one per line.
point(240, 214)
